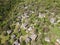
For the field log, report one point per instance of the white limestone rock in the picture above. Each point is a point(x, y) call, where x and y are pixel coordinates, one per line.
point(18, 17)
point(58, 40)
point(30, 28)
point(17, 23)
point(27, 40)
point(24, 25)
point(20, 38)
point(53, 13)
point(41, 15)
point(33, 36)
point(16, 43)
point(47, 39)
point(52, 20)
point(32, 11)
point(13, 36)
point(25, 15)
point(25, 7)
point(9, 31)
point(58, 21)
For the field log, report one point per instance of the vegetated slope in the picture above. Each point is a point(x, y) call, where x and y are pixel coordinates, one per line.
point(32, 22)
